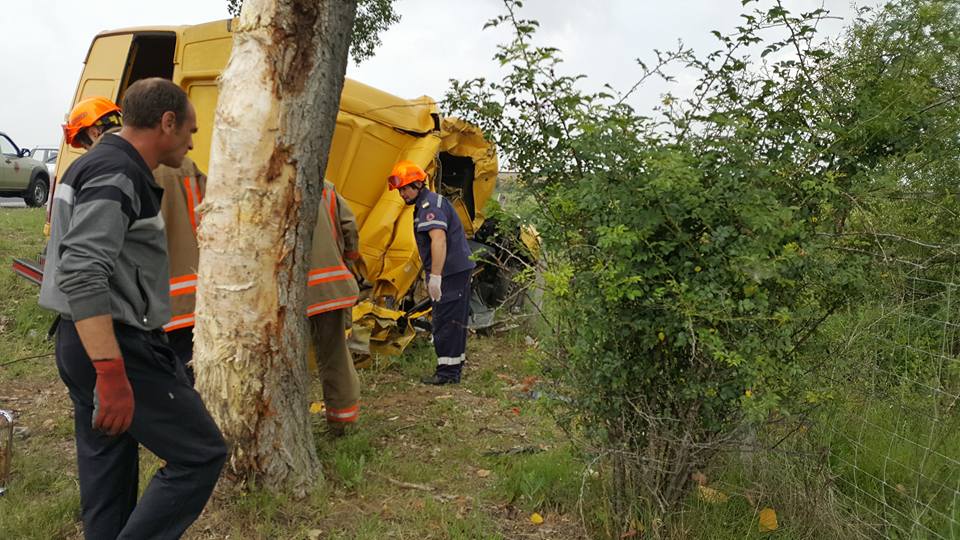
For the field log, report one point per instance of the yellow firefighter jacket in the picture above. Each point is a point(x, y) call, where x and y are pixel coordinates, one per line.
point(330, 284)
point(183, 191)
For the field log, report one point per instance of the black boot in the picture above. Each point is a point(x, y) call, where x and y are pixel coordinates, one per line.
point(438, 380)
point(444, 375)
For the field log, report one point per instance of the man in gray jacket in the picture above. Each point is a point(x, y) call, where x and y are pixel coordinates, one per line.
point(109, 282)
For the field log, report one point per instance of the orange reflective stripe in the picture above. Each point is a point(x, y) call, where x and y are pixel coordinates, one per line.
point(350, 414)
point(315, 271)
point(330, 273)
point(330, 305)
point(339, 275)
point(328, 279)
point(178, 322)
point(183, 289)
point(183, 285)
point(192, 201)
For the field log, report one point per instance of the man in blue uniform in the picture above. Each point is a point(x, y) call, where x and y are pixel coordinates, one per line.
point(446, 260)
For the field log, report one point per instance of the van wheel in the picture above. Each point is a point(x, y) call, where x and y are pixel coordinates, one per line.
point(36, 194)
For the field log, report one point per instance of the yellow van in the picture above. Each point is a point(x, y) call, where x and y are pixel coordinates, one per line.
point(374, 130)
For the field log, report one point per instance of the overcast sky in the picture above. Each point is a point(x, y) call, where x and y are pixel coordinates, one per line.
point(45, 41)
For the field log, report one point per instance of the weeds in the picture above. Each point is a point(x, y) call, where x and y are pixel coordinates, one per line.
point(350, 458)
point(548, 481)
point(42, 501)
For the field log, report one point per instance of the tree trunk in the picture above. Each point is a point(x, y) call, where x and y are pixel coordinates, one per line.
point(279, 97)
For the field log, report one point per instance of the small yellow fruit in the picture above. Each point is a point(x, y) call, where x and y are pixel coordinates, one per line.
point(536, 518)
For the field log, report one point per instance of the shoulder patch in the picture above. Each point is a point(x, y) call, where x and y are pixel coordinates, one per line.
point(431, 216)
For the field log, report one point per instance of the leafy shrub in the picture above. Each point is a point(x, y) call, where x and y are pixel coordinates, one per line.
point(691, 256)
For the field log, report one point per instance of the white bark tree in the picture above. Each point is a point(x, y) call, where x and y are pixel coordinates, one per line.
point(279, 97)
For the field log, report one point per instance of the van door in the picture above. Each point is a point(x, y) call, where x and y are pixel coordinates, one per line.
point(202, 55)
point(102, 72)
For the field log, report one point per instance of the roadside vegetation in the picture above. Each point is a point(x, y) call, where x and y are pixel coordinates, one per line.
point(760, 272)
point(745, 322)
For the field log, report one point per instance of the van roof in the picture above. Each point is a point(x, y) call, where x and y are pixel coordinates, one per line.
point(141, 29)
point(415, 116)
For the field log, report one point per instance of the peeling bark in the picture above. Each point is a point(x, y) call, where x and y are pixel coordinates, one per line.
point(278, 102)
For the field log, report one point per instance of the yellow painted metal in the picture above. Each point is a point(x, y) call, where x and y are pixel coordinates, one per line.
point(102, 71)
point(373, 131)
point(201, 55)
point(380, 330)
point(463, 139)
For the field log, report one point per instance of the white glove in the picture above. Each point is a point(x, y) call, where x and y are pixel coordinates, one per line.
point(433, 287)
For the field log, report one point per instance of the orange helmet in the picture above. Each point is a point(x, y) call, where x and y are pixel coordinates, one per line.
point(405, 172)
point(89, 112)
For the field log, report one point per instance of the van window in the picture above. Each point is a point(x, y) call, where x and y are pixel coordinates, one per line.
point(456, 180)
point(151, 55)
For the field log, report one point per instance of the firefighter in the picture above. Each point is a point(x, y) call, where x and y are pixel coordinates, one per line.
point(443, 249)
point(183, 189)
point(331, 293)
point(107, 276)
point(89, 119)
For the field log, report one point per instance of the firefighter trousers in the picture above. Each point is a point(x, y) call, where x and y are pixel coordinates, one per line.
point(169, 419)
point(341, 386)
point(449, 323)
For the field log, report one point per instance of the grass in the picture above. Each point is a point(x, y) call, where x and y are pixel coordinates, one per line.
point(350, 459)
point(861, 468)
point(410, 470)
point(899, 466)
point(23, 325)
point(42, 502)
point(439, 462)
point(543, 482)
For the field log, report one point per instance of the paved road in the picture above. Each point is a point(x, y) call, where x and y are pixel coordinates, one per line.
point(11, 203)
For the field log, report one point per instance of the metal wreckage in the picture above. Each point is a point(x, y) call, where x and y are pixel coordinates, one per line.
point(374, 130)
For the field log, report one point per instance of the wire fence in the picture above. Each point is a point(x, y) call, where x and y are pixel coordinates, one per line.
point(891, 433)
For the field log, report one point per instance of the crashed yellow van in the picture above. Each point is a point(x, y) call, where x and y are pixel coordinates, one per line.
point(374, 130)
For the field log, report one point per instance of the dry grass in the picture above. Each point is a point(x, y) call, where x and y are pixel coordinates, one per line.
point(415, 467)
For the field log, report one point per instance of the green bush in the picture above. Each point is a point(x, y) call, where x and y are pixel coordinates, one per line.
point(693, 254)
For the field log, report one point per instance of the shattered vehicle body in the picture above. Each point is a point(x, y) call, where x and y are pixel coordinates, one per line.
point(373, 131)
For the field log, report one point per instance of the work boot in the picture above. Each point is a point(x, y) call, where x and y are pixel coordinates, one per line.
point(437, 380)
point(335, 430)
point(445, 374)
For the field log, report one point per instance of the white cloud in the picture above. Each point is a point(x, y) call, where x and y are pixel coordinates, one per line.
point(45, 42)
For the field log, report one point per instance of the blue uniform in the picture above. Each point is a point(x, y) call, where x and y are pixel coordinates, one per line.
point(434, 212)
point(450, 314)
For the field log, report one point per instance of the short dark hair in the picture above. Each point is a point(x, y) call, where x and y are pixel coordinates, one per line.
point(146, 100)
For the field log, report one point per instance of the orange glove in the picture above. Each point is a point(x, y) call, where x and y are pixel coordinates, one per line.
point(112, 397)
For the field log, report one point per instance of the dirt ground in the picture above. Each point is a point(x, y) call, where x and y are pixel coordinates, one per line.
point(424, 462)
